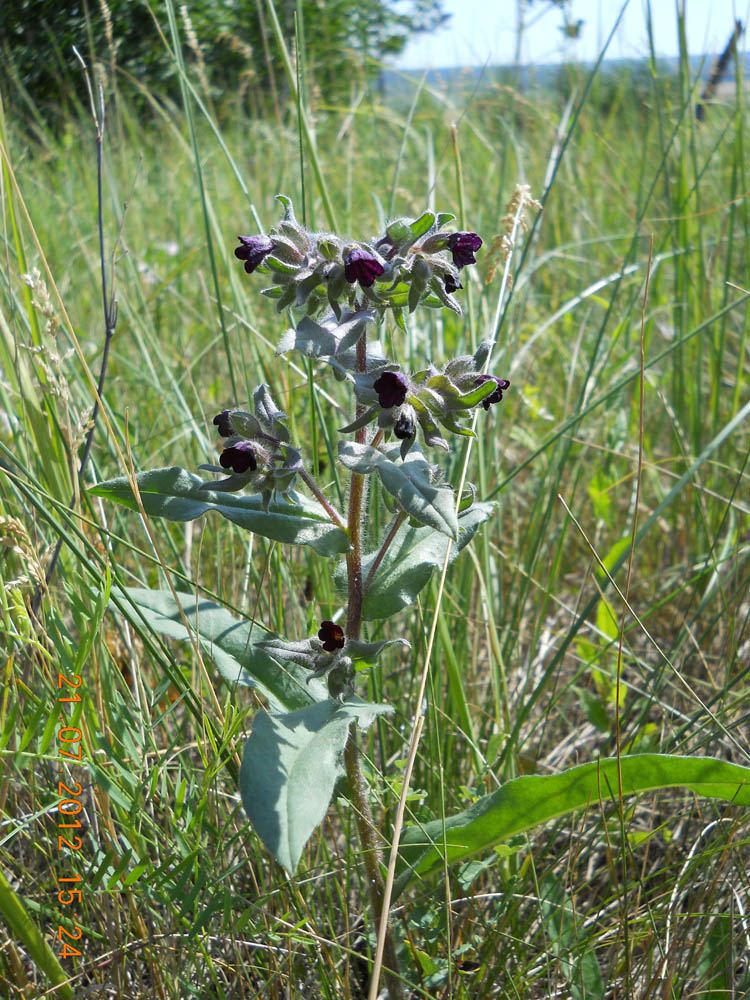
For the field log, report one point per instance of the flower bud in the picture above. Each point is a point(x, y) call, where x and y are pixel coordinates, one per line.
point(222, 421)
point(451, 283)
point(405, 427)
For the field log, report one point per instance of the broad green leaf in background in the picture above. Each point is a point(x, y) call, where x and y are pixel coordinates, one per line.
point(230, 644)
point(411, 559)
point(176, 494)
point(289, 769)
point(408, 481)
point(532, 799)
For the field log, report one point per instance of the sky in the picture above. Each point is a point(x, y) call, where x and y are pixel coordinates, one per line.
point(485, 31)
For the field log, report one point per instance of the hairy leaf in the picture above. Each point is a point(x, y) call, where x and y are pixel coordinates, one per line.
point(289, 769)
point(229, 642)
point(176, 494)
point(408, 481)
point(411, 559)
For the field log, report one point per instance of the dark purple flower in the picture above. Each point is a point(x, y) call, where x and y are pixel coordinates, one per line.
point(239, 458)
point(451, 284)
point(222, 422)
point(332, 636)
point(463, 247)
point(404, 427)
point(361, 266)
point(494, 397)
point(391, 388)
point(253, 250)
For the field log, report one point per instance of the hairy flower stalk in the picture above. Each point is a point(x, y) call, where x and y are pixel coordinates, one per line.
point(372, 854)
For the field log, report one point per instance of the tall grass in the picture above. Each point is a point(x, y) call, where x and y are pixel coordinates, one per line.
point(179, 899)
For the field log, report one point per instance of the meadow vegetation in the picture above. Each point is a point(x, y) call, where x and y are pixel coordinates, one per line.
point(622, 445)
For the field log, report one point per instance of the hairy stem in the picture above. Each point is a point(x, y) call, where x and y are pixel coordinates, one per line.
point(308, 480)
point(398, 521)
point(368, 834)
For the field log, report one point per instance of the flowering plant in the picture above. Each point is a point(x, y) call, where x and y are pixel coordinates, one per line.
point(339, 292)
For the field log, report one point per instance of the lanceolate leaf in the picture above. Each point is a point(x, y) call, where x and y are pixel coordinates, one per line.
point(410, 561)
point(176, 494)
point(525, 802)
point(230, 643)
point(289, 769)
point(408, 481)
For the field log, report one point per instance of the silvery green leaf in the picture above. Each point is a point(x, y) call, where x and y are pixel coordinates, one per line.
point(274, 292)
point(370, 651)
point(245, 424)
point(398, 231)
point(449, 421)
point(290, 766)
point(280, 266)
point(267, 411)
point(309, 338)
point(411, 559)
point(464, 365)
point(330, 340)
point(286, 298)
point(409, 482)
point(349, 331)
point(422, 225)
point(443, 218)
point(482, 353)
point(300, 651)
point(286, 202)
point(452, 396)
point(285, 249)
point(231, 644)
point(361, 421)
point(330, 247)
point(438, 290)
point(178, 495)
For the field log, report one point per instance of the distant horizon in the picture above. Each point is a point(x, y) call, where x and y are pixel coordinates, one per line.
point(695, 59)
point(481, 33)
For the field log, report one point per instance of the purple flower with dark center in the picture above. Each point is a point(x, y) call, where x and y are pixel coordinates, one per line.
point(253, 250)
point(221, 420)
point(239, 458)
point(332, 636)
point(361, 266)
point(494, 397)
point(391, 388)
point(451, 284)
point(463, 246)
point(404, 427)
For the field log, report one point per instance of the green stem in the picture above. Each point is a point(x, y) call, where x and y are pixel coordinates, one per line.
point(308, 480)
point(398, 521)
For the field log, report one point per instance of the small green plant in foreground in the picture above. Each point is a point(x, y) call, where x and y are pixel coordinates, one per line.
point(344, 293)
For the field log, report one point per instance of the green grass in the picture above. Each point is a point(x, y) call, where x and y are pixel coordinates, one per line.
point(179, 898)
